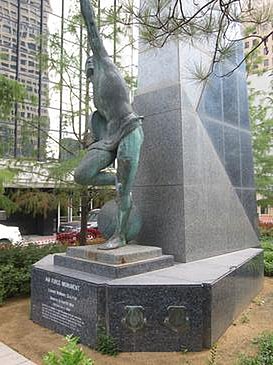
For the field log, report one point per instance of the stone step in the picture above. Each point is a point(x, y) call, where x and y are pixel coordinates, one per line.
point(113, 271)
point(123, 255)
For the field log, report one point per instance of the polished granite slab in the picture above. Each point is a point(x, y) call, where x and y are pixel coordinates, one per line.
point(188, 305)
point(124, 261)
point(122, 255)
point(117, 270)
point(194, 187)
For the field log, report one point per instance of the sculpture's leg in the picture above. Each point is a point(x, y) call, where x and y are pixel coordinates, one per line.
point(128, 159)
point(88, 172)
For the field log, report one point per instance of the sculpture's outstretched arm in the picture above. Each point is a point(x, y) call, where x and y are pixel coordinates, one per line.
point(93, 33)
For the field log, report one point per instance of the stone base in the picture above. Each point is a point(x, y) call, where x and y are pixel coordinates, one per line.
point(184, 306)
point(119, 263)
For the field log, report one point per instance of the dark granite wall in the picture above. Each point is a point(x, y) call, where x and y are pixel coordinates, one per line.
point(187, 306)
point(194, 188)
point(223, 109)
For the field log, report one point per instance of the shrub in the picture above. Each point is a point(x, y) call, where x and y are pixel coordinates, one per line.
point(266, 230)
point(267, 245)
point(265, 353)
point(15, 268)
point(106, 344)
point(70, 354)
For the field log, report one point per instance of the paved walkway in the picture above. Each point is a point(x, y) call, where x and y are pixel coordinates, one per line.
point(39, 240)
point(11, 357)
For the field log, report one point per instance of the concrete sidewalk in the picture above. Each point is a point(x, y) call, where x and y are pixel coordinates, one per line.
point(11, 357)
point(39, 240)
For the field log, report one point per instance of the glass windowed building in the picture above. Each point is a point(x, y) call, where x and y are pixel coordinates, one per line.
point(22, 23)
point(43, 45)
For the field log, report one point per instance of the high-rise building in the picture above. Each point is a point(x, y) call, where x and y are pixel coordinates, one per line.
point(23, 26)
point(260, 80)
point(263, 61)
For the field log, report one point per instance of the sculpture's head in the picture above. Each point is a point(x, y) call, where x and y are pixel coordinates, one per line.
point(89, 67)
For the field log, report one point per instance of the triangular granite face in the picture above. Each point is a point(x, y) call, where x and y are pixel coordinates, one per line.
point(223, 110)
point(184, 191)
point(215, 220)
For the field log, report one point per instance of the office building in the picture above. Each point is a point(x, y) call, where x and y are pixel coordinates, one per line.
point(21, 26)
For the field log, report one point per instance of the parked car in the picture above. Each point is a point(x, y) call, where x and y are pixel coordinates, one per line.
point(69, 232)
point(266, 219)
point(10, 235)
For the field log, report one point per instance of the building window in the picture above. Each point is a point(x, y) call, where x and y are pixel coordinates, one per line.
point(264, 210)
point(32, 46)
point(254, 42)
point(246, 44)
point(6, 29)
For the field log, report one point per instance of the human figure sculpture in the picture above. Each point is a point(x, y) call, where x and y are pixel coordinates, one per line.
point(116, 128)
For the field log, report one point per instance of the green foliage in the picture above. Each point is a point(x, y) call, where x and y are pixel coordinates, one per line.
point(247, 360)
point(266, 231)
point(265, 352)
point(254, 56)
point(70, 354)
point(13, 281)
point(262, 131)
point(267, 245)
point(6, 175)
point(34, 202)
point(106, 344)
point(15, 268)
point(7, 205)
point(11, 91)
point(61, 170)
point(244, 319)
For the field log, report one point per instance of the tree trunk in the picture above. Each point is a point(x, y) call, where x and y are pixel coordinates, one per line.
point(84, 216)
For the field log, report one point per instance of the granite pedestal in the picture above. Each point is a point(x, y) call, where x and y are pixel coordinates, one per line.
point(195, 194)
point(187, 305)
point(125, 261)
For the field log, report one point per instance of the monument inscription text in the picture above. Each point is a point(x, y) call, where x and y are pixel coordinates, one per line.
point(62, 300)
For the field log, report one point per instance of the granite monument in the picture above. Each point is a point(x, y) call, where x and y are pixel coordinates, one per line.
point(197, 263)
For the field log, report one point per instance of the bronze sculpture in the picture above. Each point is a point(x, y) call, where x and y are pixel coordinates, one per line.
point(116, 128)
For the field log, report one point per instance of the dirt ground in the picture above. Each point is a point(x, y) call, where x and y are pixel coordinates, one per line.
point(33, 341)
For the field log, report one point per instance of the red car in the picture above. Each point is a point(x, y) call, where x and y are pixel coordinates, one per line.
point(70, 232)
point(266, 219)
